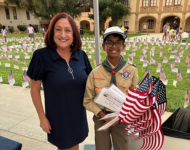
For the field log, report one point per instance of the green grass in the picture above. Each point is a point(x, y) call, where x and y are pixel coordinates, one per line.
point(175, 95)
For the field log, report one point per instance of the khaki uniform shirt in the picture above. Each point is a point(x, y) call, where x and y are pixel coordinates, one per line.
point(100, 78)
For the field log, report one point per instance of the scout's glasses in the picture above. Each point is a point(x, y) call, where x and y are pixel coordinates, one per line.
point(117, 44)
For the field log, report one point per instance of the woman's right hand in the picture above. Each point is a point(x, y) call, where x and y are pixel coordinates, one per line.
point(45, 125)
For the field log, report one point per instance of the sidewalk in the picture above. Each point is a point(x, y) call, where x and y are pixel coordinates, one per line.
point(19, 120)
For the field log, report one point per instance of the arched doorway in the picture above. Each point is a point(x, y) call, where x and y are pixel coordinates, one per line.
point(187, 25)
point(151, 22)
point(170, 19)
point(85, 24)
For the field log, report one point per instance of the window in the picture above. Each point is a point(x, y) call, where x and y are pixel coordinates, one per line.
point(7, 12)
point(150, 24)
point(14, 13)
point(27, 15)
point(169, 2)
point(153, 3)
point(177, 2)
point(145, 3)
point(126, 23)
point(128, 3)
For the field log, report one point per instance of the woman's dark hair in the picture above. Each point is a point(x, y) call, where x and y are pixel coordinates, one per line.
point(49, 41)
point(3, 27)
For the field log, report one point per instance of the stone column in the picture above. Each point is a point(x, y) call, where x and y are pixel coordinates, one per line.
point(137, 16)
point(183, 22)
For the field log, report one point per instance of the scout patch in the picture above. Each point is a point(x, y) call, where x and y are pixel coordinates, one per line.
point(126, 74)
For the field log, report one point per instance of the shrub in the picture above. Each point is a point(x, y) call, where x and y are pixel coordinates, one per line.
point(0, 26)
point(88, 32)
point(21, 27)
point(11, 29)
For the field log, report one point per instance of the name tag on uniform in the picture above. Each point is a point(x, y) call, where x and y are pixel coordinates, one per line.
point(126, 74)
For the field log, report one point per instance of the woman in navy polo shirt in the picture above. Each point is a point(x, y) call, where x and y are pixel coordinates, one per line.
point(62, 68)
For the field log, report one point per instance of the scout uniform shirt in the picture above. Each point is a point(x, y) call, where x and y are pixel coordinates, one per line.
point(99, 78)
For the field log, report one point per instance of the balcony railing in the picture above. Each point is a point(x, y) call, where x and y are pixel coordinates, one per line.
point(172, 8)
point(149, 9)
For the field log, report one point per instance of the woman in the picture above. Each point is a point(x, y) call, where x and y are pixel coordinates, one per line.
point(63, 69)
point(4, 33)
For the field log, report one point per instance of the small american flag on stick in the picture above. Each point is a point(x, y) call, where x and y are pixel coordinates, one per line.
point(10, 77)
point(179, 77)
point(172, 64)
point(25, 77)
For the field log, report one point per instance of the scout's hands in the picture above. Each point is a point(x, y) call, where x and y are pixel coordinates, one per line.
point(102, 114)
point(45, 125)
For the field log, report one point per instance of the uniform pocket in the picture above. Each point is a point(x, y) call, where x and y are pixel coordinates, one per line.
point(100, 83)
point(124, 84)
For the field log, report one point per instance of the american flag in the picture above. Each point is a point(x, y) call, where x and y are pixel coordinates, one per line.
point(22, 62)
point(25, 77)
point(181, 48)
point(159, 64)
point(187, 59)
point(146, 46)
point(187, 95)
point(161, 53)
point(174, 51)
point(142, 55)
point(177, 59)
point(130, 60)
point(165, 58)
point(15, 50)
point(134, 48)
point(153, 137)
point(8, 51)
point(179, 77)
point(146, 71)
point(180, 53)
point(152, 60)
point(131, 54)
point(172, 64)
point(162, 75)
point(179, 44)
point(24, 52)
point(153, 48)
point(10, 77)
point(131, 101)
point(4, 57)
point(15, 59)
point(145, 61)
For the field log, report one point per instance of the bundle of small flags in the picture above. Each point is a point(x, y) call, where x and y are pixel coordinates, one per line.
point(142, 111)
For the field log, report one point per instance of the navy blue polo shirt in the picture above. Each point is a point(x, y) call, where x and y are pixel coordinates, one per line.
point(64, 87)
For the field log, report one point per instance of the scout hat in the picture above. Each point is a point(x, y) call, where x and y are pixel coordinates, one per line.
point(113, 30)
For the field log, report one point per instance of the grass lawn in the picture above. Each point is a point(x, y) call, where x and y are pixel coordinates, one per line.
point(175, 95)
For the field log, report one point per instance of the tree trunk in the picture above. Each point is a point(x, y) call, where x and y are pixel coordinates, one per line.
point(114, 22)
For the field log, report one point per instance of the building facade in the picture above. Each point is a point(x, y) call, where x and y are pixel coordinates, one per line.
point(155, 13)
point(12, 16)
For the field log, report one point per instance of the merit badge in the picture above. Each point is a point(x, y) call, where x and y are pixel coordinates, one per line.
point(126, 74)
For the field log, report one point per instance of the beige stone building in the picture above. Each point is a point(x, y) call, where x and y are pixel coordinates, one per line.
point(12, 16)
point(155, 13)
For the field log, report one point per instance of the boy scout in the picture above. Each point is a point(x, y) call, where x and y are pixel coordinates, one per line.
point(116, 70)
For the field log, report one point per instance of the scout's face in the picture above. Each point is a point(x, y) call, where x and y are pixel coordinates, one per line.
point(113, 46)
point(63, 34)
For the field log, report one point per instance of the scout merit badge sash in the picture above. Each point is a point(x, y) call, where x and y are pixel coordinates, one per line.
point(108, 68)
